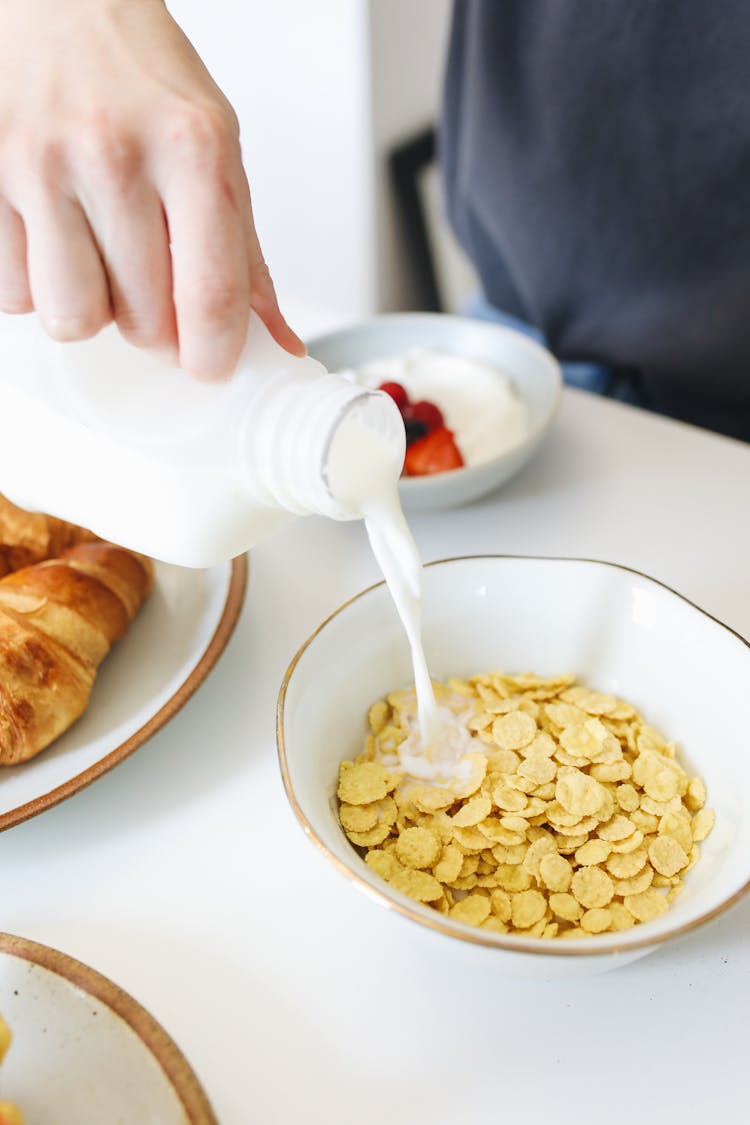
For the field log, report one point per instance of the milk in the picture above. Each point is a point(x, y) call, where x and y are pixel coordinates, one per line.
point(120, 441)
point(360, 475)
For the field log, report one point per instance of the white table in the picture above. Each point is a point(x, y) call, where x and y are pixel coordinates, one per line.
point(184, 877)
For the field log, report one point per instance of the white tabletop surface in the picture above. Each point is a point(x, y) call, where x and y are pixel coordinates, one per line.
point(184, 877)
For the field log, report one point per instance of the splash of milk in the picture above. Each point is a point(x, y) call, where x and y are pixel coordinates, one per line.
point(361, 475)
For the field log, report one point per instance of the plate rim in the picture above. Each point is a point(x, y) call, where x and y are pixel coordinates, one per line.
point(173, 1063)
point(238, 579)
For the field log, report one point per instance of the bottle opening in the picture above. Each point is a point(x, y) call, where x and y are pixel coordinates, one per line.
point(365, 454)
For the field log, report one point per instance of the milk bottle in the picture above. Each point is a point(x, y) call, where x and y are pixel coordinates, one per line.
point(113, 438)
point(116, 439)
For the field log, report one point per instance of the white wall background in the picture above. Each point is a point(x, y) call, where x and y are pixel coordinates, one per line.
point(322, 89)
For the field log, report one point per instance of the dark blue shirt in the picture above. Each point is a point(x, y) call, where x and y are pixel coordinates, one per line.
point(596, 157)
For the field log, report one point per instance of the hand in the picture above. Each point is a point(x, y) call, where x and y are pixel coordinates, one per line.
point(122, 191)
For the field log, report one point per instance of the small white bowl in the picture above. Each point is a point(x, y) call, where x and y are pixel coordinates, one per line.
point(533, 370)
point(618, 630)
point(84, 1051)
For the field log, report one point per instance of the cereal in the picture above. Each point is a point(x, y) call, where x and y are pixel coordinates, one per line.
point(382, 863)
point(592, 852)
point(555, 872)
point(627, 797)
point(627, 864)
point(578, 793)
point(473, 910)
point(703, 822)
point(666, 855)
point(538, 769)
point(417, 847)
point(494, 924)
point(501, 905)
point(566, 906)
point(472, 812)
point(527, 908)
point(592, 887)
point(432, 798)
point(514, 730)
point(372, 838)
point(647, 905)
point(596, 920)
point(416, 884)
point(363, 782)
point(695, 798)
point(448, 867)
point(567, 815)
point(359, 818)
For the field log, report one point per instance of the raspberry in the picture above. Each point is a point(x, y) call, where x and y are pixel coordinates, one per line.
point(397, 393)
point(428, 413)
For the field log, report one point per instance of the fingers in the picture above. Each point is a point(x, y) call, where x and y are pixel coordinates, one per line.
point(15, 294)
point(210, 275)
point(134, 243)
point(181, 269)
point(66, 275)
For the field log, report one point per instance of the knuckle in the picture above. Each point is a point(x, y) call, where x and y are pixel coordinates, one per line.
point(205, 134)
point(214, 304)
point(43, 156)
point(110, 156)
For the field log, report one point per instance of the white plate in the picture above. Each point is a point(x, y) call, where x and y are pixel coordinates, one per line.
point(167, 652)
point(83, 1051)
point(533, 370)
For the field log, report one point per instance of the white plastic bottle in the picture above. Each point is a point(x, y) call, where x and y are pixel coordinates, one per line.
point(107, 436)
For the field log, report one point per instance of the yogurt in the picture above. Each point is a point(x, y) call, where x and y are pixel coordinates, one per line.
point(480, 403)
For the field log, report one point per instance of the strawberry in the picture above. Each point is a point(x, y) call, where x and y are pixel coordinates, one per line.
point(436, 452)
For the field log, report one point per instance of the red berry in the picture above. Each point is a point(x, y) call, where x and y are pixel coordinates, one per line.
point(397, 393)
point(428, 413)
point(434, 453)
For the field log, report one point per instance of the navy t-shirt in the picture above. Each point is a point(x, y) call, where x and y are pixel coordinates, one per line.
point(596, 157)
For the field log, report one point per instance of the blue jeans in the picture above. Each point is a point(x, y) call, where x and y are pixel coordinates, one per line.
point(594, 377)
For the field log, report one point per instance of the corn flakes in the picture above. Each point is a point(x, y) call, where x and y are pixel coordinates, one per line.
point(569, 816)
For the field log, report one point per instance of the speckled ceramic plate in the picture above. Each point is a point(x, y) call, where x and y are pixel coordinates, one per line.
point(83, 1051)
point(168, 651)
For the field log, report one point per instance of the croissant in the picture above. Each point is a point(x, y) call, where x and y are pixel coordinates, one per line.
point(29, 537)
point(58, 620)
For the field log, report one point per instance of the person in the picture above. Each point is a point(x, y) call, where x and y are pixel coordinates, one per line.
point(122, 190)
point(597, 167)
point(595, 162)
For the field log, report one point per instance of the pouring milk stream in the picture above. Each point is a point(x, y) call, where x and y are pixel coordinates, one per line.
point(195, 473)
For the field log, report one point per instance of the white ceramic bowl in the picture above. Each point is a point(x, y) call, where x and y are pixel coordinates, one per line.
point(618, 630)
point(85, 1052)
point(534, 371)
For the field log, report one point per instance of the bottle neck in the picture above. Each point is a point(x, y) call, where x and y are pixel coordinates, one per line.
point(321, 445)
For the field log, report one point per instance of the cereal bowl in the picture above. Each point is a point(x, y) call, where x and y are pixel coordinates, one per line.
point(619, 631)
point(532, 370)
